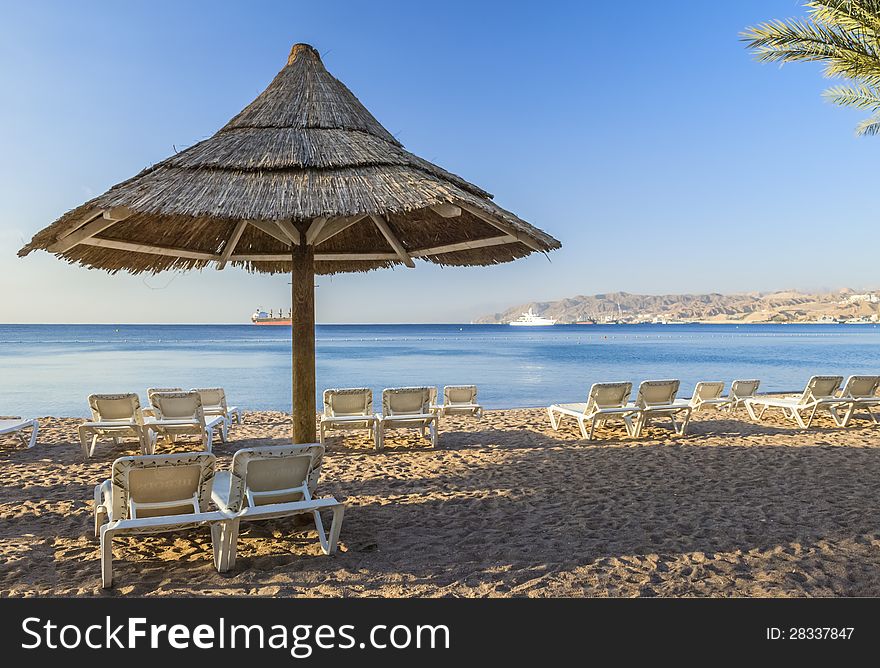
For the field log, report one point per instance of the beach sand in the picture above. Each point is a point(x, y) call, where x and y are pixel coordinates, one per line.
point(506, 507)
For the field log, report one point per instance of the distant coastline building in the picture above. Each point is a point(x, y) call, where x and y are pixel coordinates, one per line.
point(868, 297)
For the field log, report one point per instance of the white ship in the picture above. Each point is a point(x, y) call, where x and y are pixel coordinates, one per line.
point(529, 319)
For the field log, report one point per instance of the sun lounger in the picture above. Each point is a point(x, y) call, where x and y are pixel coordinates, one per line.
point(708, 394)
point(156, 494)
point(606, 401)
point(148, 411)
point(740, 390)
point(820, 392)
point(116, 416)
point(656, 398)
point(214, 403)
point(407, 408)
point(459, 400)
point(859, 392)
point(18, 426)
point(272, 482)
point(349, 408)
point(180, 414)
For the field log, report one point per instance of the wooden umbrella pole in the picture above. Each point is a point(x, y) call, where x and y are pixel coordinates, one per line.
point(302, 326)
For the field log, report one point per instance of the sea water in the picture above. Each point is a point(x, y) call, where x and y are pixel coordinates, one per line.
point(51, 369)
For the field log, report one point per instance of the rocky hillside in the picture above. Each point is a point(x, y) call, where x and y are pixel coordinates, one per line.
point(789, 306)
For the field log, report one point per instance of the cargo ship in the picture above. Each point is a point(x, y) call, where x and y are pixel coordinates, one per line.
point(260, 317)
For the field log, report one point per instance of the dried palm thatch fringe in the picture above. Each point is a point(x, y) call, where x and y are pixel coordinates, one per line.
point(305, 149)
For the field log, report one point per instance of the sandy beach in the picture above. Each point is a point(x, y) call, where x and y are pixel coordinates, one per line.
point(506, 507)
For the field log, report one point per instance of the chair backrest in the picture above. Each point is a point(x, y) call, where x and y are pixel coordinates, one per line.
point(406, 400)
point(861, 387)
point(153, 390)
point(274, 474)
point(213, 397)
point(608, 395)
point(115, 407)
point(740, 389)
point(348, 401)
point(458, 394)
point(178, 406)
point(706, 390)
point(153, 485)
point(657, 392)
point(434, 396)
point(821, 387)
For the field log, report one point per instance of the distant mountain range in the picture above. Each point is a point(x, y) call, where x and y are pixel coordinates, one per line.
point(622, 307)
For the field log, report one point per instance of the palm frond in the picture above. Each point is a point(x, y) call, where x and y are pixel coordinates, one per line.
point(844, 35)
point(869, 126)
point(844, 53)
point(859, 97)
point(857, 16)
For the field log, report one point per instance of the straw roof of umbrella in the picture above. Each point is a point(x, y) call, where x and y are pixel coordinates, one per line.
point(305, 162)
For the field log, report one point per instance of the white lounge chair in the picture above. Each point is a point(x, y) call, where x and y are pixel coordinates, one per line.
point(656, 398)
point(148, 411)
point(820, 392)
point(156, 494)
point(407, 408)
point(271, 482)
point(349, 408)
point(708, 394)
point(214, 403)
point(459, 400)
point(859, 392)
point(180, 414)
point(606, 401)
point(740, 390)
point(116, 416)
point(18, 426)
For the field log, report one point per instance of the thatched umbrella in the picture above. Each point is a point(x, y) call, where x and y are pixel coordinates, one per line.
point(304, 180)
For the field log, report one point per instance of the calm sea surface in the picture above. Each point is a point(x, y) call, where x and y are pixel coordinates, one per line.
point(51, 369)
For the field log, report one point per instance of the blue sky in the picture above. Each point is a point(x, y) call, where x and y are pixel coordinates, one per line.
point(642, 135)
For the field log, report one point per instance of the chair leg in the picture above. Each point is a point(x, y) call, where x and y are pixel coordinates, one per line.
point(335, 528)
point(850, 411)
point(592, 429)
point(379, 436)
point(553, 421)
point(583, 427)
point(106, 558)
point(435, 437)
point(100, 520)
point(93, 445)
point(207, 440)
point(321, 434)
point(220, 536)
point(83, 443)
point(685, 422)
point(35, 429)
point(322, 536)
